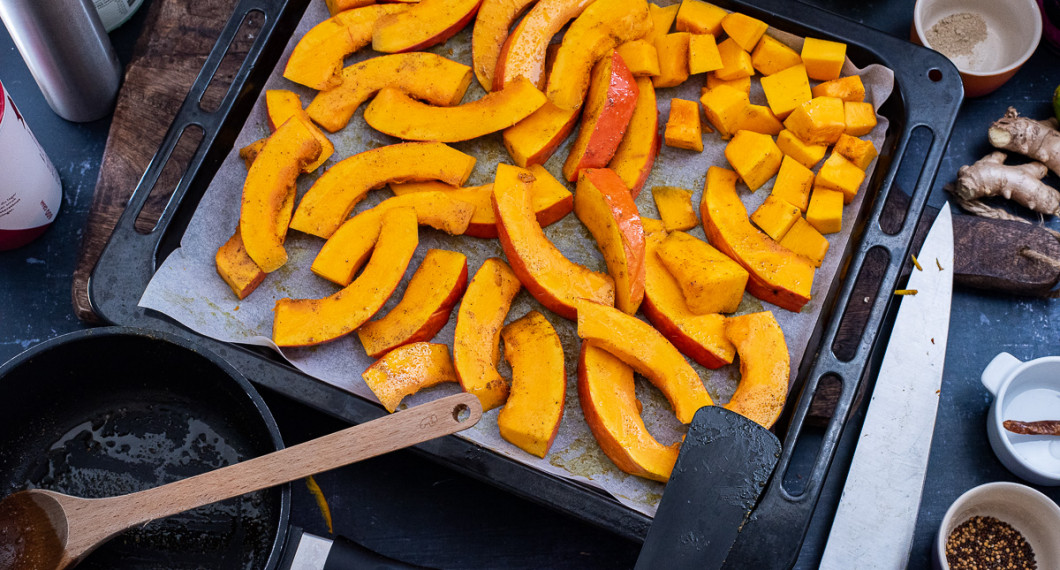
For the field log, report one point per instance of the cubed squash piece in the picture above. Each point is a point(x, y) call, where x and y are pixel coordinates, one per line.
point(849, 88)
point(858, 151)
point(710, 281)
point(662, 18)
point(793, 184)
point(838, 173)
point(675, 208)
point(743, 29)
point(823, 58)
point(735, 61)
point(703, 54)
point(860, 118)
point(825, 212)
point(712, 81)
point(683, 128)
point(700, 17)
point(776, 216)
point(787, 89)
point(640, 57)
point(818, 121)
point(760, 119)
point(754, 156)
point(724, 107)
point(808, 155)
point(806, 241)
point(673, 60)
point(771, 56)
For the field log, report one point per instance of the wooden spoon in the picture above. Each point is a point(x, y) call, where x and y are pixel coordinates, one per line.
point(47, 530)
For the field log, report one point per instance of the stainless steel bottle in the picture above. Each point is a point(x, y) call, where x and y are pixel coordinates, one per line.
point(68, 52)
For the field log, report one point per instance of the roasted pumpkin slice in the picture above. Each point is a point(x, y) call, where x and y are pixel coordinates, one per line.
point(531, 417)
point(407, 370)
point(765, 367)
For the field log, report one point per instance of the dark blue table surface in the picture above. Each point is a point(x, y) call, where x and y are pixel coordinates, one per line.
point(410, 508)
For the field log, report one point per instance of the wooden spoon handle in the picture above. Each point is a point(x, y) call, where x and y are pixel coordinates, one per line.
point(402, 429)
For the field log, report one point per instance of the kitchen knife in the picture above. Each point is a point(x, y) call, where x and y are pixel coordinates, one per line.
point(874, 523)
point(306, 551)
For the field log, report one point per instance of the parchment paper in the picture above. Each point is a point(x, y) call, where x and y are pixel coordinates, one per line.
point(188, 289)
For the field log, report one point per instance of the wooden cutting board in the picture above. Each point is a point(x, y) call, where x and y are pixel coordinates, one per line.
point(176, 38)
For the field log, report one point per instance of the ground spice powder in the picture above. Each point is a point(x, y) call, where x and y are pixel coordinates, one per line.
point(986, 543)
point(957, 34)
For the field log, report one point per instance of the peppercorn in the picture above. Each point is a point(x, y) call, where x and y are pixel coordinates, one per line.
point(986, 543)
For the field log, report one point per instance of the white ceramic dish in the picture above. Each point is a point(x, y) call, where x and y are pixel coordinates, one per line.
point(1014, 28)
point(1030, 512)
point(1025, 391)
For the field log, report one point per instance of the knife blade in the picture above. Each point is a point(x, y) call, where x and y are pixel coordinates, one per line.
point(306, 551)
point(874, 523)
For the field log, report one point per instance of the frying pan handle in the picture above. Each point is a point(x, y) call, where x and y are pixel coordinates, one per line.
point(133, 255)
point(773, 535)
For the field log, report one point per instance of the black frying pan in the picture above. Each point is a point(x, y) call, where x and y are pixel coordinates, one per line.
point(115, 410)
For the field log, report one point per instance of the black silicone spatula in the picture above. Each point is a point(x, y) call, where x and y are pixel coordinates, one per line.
point(725, 461)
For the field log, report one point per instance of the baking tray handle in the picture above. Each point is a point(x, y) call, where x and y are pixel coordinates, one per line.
point(115, 299)
point(772, 536)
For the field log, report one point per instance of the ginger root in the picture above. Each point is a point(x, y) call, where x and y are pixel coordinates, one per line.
point(1039, 140)
point(990, 176)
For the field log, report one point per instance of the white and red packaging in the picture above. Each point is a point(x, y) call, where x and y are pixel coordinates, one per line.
point(30, 189)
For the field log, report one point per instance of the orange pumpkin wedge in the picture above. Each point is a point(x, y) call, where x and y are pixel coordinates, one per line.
point(699, 337)
point(281, 105)
point(427, 23)
point(476, 340)
point(524, 51)
point(349, 247)
point(645, 349)
point(333, 196)
point(608, 109)
point(603, 203)
point(396, 114)
point(407, 370)
point(492, 23)
point(530, 419)
point(534, 139)
point(430, 296)
point(423, 75)
point(237, 268)
point(305, 322)
point(269, 192)
point(635, 155)
point(317, 58)
point(555, 281)
point(778, 275)
point(764, 367)
point(609, 402)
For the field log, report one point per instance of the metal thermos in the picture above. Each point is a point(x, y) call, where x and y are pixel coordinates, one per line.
point(69, 53)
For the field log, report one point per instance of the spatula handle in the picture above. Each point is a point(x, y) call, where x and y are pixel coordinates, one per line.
point(396, 431)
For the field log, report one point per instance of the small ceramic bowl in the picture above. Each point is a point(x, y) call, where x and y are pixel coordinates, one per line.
point(1028, 511)
point(1013, 29)
point(1024, 391)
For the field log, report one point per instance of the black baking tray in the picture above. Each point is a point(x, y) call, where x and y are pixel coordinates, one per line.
point(921, 112)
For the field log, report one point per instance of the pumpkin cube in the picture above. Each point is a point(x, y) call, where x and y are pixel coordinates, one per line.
point(818, 121)
point(712, 81)
point(724, 107)
point(776, 216)
point(787, 89)
point(808, 155)
point(760, 119)
point(703, 54)
point(675, 208)
point(710, 281)
point(673, 59)
point(640, 57)
point(806, 241)
point(754, 156)
point(771, 56)
point(793, 184)
point(735, 61)
point(743, 29)
point(823, 58)
point(860, 118)
point(683, 128)
point(662, 18)
point(858, 151)
point(849, 88)
point(699, 17)
point(840, 174)
point(825, 212)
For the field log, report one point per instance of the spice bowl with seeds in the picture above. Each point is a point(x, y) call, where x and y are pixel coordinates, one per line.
point(998, 526)
point(987, 40)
